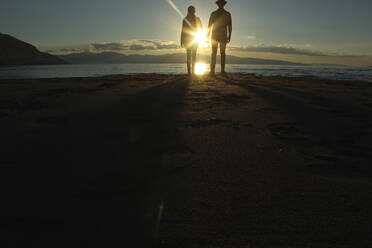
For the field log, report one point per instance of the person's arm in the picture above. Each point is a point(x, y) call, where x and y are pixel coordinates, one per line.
point(183, 33)
point(210, 24)
point(200, 23)
point(229, 25)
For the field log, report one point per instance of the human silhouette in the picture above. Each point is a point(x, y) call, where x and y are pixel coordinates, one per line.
point(220, 24)
point(190, 25)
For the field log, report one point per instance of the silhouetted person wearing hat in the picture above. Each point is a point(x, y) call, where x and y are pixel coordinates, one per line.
point(190, 26)
point(220, 25)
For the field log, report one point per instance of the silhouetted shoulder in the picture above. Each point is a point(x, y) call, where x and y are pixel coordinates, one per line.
point(215, 13)
point(226, 12)
point(218, 13)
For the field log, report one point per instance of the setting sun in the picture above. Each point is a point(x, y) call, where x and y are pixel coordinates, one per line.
point(201, 38)
point(200, 68)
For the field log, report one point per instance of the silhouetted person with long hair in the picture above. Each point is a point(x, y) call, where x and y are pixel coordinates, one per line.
point(190, 26)
point(220, 25)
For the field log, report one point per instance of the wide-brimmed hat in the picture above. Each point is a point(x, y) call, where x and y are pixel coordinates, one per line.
point(221, 1)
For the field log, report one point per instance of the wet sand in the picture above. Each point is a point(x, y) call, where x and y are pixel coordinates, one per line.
point(168, 161)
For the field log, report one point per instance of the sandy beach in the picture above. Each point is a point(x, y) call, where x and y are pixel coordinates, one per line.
point(169, 161)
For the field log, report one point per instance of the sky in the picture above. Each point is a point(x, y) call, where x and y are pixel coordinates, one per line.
point(316, 31)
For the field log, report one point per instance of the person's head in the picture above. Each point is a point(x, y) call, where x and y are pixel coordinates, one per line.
point(191, 11)
point(221, 3)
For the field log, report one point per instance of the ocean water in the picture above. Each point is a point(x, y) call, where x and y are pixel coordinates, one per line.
point(62, 71)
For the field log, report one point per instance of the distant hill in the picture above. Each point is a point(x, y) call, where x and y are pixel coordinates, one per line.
point(17, 52)
point(118, 58)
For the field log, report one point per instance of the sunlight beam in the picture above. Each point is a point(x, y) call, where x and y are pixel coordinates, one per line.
point(178, 11)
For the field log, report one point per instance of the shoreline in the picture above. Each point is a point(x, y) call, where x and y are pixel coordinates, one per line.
point(99, 70)
point(314, 79)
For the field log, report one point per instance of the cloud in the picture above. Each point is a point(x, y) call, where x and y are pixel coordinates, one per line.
point(346, 55)
point(107, 46)
point(133, 45)
point(66, 51)
point(292, 49)
point(144, 45)
point(278, 49)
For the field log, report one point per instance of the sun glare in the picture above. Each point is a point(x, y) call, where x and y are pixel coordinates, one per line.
point(200, 37)
point(200, 68)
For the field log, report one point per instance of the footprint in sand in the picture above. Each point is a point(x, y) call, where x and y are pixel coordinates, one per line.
point(267, 109)
point(6, 115)
point(178, 149)
point(174, 156)
point(235, 99)
point(107, 85)
point(368, 104)
point(205, 123)
point(346, 166)
point(286, 130)
point(52, 120)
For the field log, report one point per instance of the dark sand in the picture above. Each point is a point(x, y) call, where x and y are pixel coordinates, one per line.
point(156, 160)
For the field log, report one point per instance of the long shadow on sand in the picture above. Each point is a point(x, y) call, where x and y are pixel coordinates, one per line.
point(93, 183)
point(336, 134)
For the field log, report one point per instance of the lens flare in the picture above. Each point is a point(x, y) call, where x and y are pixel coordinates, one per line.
point(200, 37)
point(200, 68)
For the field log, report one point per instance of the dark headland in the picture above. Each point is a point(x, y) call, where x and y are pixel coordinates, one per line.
point(17, 52)
point(168, 161)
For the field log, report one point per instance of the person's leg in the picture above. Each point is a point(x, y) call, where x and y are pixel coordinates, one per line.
point(188, 52)
point(223, 56)
point(214, 57)
point(193, 55)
